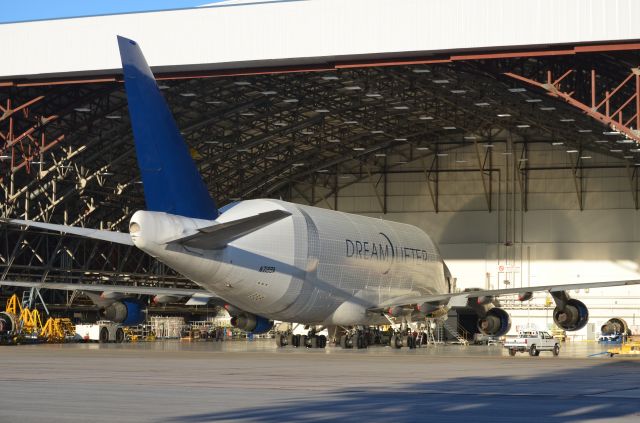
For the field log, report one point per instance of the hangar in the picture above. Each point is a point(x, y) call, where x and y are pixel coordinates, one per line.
point(515, 149)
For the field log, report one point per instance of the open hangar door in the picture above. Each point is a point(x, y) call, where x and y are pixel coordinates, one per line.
point(523, 167)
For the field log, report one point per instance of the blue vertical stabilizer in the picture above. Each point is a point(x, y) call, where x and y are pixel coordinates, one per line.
point(171, 180)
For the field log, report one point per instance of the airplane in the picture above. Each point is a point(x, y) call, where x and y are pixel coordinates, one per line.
point(268, 259)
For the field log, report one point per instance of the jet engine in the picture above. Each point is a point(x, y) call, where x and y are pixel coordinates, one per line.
point(496, 322)
point(127, 312)
point(615, 326)
point(7, 323)
point(251, 323)
point(571, 315)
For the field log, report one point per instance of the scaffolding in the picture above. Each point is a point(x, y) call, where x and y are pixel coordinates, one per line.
point(167, 327)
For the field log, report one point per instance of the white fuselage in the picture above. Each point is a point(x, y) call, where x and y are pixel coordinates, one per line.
point(316, 266)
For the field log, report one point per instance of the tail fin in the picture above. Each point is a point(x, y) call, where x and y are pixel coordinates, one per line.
point(171, 180)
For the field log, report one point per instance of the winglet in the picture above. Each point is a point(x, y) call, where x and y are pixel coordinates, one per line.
point(172, 183)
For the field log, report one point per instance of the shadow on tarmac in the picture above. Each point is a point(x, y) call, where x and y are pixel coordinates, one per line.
point(610, 392)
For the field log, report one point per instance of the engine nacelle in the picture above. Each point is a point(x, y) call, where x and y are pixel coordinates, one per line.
point(251, 323)
point(108, 295)
point(165, 299)
point(125, 312)
point(396, 311)
point(485, 300)
point(573, 316)
point(496, 322)
point(7, 323)
point(432, 310)
point(615, 326)
point(525, 296)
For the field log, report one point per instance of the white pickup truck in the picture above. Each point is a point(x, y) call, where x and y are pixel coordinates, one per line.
point(533, 341)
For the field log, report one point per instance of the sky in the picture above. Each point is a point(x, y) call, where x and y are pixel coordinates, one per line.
point(29, 10)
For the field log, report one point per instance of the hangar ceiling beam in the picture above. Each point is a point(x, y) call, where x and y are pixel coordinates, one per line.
point(624, 99)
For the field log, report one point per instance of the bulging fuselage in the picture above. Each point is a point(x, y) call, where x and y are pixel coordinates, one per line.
point(317, 266)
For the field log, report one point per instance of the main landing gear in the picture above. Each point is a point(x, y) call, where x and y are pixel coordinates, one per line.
point(403, 339)
point(360, 338)
point(356, 339)
point(311, 340)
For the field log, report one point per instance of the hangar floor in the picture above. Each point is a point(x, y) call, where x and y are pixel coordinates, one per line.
point(239, 381)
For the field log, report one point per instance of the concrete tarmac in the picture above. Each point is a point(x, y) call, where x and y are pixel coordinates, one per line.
point(168, 382)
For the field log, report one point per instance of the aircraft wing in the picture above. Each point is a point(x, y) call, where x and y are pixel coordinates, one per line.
point(195, 294)
point(111, 236)
point(459, 299)
point(220, 234)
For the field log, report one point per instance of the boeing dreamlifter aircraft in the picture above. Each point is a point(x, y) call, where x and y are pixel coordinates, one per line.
point(274, 260)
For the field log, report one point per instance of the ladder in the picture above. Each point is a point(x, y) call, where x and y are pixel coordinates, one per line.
point(433, 332)
point(27, 298)
point(454, 332)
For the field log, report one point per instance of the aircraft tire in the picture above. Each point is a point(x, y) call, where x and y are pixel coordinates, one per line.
point(303, 341)
point(396, 342)
point(119, 336)
point(313, 342)
point(406, 341)
point(280, 340)
point(290, 338)
point(295, 341)
point(343, 342)
point(104, 336)
point(361, 342)
point(322, 341)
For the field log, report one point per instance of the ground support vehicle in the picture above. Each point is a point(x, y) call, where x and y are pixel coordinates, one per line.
point(533, 342)
point(102, 331)
point(628, 349)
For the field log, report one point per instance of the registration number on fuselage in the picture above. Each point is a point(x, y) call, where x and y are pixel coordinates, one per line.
point(267, 269)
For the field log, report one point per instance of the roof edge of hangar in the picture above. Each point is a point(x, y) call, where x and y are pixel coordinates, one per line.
point(318, 64)
point(309, 32)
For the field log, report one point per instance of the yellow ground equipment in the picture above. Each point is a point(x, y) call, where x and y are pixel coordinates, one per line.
point(13, 305)
point(628, 349)
point(140, 333)
point(57, 330)
point(19, 324)
point(31, 322)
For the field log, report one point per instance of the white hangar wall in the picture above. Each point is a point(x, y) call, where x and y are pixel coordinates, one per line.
point(554, 241)
point(298, 32)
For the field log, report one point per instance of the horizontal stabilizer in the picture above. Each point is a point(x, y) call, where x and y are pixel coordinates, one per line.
point(219, 235)
point(122, 289)
point(111, 236)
